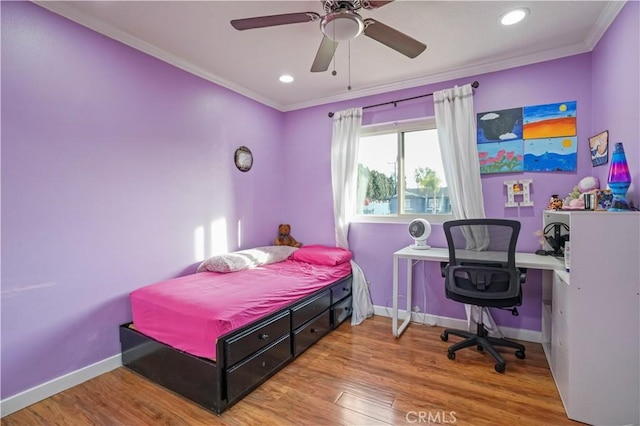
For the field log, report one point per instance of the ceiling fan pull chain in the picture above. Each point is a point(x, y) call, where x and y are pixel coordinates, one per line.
point(334, 72)
point(349, 46)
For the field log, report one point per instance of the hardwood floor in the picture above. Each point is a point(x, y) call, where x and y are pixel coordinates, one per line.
point(358, 375)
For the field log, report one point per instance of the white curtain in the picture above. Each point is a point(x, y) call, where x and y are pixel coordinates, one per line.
point(456, 122)
point(344, 173)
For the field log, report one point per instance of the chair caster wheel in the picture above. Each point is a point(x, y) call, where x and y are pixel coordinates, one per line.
point(520, 354)
point(500, 368)
point(451, 355)
point(444, 336)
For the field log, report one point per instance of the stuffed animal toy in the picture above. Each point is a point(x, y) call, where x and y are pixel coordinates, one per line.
point(285, 238)
point(575, 199)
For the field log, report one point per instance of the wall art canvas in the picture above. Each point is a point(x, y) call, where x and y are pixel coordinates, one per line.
point(496, 126)
point(599, 147)
point(501, 157)
point(551, 154)
point(549, 121)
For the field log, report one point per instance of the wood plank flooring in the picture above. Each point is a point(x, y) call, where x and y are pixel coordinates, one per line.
point(358, 375)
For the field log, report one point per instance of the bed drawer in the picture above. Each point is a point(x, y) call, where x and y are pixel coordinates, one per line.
point(311, 332)
point(255, 338)
point(341, 312)
point(340, 291)
point(311, 308)
point(247, 375)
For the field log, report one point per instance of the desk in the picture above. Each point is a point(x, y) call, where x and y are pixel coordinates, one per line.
point(590, 328)
point(523, 260)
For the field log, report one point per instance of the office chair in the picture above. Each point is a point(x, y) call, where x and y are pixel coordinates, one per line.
point(482, 272)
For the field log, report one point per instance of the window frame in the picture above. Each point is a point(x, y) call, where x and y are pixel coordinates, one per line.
point(399, 127)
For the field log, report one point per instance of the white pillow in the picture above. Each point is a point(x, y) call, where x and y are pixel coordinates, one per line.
point(246, 259)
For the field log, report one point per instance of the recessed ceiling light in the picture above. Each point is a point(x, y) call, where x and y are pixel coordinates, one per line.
point(514, 16)
point(286, 78)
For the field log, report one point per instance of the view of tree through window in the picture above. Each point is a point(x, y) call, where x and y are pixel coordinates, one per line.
point(407, 151)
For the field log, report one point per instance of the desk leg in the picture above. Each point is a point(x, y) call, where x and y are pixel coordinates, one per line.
point(394, 320)
point(394, 311)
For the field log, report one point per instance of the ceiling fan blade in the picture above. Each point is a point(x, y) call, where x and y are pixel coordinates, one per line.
point(370, 4)
point(325, 55)
point(273, 20)
point(393, 38)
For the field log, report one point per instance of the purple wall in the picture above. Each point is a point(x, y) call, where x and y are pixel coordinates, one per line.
point(308, 136)
point(373, 245)
point(616, 91)
point(111, 160)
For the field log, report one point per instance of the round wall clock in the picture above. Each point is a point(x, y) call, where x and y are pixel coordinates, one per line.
point(243, 159)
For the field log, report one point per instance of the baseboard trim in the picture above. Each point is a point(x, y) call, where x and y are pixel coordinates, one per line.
point(36, 394)
point(435, 320)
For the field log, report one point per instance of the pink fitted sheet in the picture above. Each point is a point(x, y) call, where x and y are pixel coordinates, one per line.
point(190, 313)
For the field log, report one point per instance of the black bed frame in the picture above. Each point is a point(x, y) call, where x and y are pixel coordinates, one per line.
point(246, 357)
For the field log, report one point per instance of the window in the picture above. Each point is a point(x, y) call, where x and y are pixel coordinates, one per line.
point(411, 151)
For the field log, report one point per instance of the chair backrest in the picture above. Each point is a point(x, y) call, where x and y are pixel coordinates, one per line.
point(482, 262)
point(485, 240)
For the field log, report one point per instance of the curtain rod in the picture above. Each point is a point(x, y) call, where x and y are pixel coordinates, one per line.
point(475, 85)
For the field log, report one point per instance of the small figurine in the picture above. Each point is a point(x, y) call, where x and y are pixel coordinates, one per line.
point(555, 203)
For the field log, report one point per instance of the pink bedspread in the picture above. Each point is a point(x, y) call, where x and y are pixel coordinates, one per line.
point(189, 313)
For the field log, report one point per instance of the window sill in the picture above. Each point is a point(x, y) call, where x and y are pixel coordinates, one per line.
point(404, 219)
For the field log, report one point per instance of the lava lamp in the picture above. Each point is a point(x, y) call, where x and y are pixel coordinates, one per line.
point(619, 179)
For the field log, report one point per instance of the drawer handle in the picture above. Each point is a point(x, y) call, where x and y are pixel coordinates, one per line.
point(345, 288)
point(263, 336)
point(314, 330)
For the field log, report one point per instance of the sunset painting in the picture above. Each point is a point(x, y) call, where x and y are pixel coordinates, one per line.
point(551, 154)
point(549, 121)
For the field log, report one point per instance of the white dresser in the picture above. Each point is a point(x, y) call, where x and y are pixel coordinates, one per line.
point(591, 317)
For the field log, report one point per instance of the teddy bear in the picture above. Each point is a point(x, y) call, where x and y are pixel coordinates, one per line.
point(284, 236)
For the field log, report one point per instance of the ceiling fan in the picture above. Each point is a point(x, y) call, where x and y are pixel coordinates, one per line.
point(341, 22)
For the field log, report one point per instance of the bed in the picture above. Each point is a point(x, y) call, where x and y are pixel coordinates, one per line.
point(216, 335)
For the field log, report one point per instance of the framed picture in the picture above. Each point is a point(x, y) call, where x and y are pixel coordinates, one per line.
point(604, 200)
point(599, 147)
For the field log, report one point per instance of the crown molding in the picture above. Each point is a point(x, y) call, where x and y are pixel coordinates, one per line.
point(609, 13)
point(606, 18)
point(461, 72)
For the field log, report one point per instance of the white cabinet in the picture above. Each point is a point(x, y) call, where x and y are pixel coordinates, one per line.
point(591, 317)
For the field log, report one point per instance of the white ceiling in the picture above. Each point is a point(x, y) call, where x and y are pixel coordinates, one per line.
point(463, 39)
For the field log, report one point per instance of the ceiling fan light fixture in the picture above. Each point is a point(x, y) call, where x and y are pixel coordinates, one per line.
point(514, 16)
point(343, 25)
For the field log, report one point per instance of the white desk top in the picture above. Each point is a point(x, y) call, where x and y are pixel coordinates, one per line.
point(524, 260)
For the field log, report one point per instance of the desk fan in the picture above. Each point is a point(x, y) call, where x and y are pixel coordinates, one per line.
point(420, 229)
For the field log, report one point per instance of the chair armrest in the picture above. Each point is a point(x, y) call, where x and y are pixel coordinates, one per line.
point(443, 268)
point(523, 275)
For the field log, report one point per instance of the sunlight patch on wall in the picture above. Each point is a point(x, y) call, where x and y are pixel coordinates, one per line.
point(198, 239)
point(218, 237)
